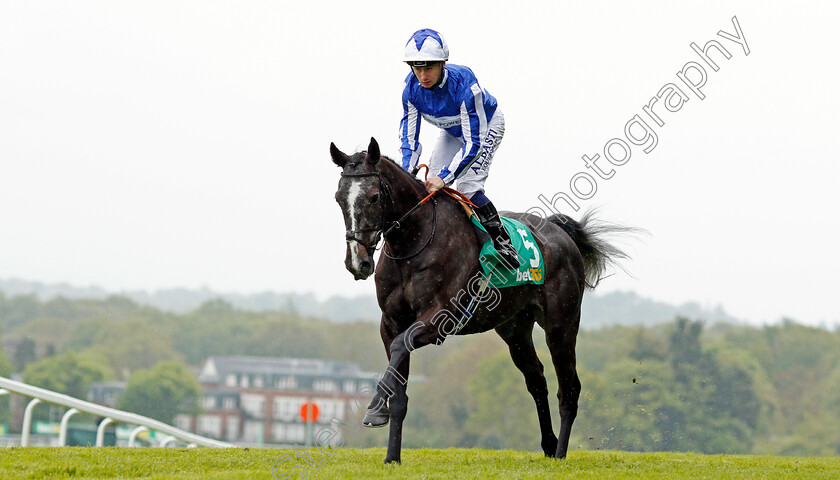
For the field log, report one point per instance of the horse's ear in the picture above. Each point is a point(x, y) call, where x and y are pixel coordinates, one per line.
point(338, 157)
point(373, 152)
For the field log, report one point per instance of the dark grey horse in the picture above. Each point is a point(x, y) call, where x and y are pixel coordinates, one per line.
point(429, 273)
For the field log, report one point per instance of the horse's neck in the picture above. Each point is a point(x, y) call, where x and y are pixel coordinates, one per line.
point(417, 226)
point(405, 191)
point(440, 216)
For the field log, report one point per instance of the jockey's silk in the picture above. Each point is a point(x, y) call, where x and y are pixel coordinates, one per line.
point(457, 105)
point(531, 268)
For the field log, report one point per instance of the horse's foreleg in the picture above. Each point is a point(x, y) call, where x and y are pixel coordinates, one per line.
point(399, 407)
point(393, 384)
point(378, 414)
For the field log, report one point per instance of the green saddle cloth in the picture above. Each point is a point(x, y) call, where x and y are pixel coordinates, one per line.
point(531, 269)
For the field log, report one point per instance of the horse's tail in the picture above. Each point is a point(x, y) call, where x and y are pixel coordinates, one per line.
point(589, 234)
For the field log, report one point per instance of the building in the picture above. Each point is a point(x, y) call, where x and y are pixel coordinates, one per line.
point(257, 400)
point(105, 393)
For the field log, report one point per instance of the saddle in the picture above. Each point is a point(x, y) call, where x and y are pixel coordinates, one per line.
point(532, 267)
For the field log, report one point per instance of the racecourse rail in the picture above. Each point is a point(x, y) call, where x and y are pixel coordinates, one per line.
point(110, 415)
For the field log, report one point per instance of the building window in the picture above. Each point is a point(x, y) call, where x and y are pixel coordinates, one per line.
point(287, 408)
point(252, 432)
point(210, 425)
point(288, 432)
point(278, 407)
point(295, 432)
point(230, 380)
point(330, 409)
point(324, 386)
point(229, 403)
point(286, 383)
point(326, 414)
point(244, 382)
point(254, 405)
point(278, 432)
point(182, 421)
point(259, 382)
point(350, 386)
point(232, 428)
point(209, 402)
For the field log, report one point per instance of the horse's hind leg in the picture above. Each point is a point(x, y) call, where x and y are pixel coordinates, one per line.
point(562, 321)
point(517, 334)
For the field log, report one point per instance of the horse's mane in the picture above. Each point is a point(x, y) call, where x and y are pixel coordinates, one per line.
point(358, 157)
point(386, 162)
point(403, 171)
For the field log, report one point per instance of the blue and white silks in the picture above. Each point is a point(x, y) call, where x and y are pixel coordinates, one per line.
point(457, 105)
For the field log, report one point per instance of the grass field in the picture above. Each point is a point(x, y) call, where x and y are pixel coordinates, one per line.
point(205, 464)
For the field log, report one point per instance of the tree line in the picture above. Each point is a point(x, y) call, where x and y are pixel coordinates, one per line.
point(679, 386)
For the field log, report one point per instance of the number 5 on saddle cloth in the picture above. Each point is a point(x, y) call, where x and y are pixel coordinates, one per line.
point(530, 258)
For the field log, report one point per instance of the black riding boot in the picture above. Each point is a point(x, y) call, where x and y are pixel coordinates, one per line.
point(489, 218)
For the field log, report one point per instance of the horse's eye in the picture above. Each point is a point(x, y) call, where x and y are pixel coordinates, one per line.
point(374, 198)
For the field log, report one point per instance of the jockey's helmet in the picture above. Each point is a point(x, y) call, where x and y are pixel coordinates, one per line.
point(424, 47)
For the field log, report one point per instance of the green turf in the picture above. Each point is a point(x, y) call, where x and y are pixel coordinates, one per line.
point(206, 464)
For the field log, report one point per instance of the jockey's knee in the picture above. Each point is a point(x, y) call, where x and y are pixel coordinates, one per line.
point(479, 199)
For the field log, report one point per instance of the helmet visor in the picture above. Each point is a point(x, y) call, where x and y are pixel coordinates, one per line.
point(422, 63)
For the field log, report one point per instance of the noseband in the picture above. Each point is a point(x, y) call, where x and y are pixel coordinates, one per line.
point(384, 227)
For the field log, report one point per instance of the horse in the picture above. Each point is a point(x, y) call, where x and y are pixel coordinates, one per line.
point(430, 266)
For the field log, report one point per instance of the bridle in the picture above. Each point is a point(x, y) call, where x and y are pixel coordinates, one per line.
point(350, 235)
point(385, 227)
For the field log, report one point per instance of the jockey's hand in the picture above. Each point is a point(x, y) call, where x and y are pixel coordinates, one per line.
point(434, 184)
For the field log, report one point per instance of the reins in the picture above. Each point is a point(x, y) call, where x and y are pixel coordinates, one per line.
point(386, 192)
point(449, 191)
point(428, 240)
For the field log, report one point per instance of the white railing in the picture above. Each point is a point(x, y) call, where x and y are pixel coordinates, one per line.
point(110, 415)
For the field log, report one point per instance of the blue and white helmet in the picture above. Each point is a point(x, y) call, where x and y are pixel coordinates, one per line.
point(426, 46)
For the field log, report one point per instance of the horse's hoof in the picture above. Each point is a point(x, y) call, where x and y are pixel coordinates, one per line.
point(376, 418)
point(549, 446)
point(392, 460)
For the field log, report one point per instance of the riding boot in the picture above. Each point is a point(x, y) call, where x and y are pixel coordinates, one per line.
point(489, 218)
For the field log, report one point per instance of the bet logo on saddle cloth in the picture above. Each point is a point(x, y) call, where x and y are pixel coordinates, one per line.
point(531, 268)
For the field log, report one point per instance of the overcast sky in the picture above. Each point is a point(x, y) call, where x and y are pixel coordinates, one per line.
point(157, 144)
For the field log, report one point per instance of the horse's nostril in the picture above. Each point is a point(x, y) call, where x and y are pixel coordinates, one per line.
point(364, 266)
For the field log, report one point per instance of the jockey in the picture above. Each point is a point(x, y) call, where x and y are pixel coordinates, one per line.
point(472, 126)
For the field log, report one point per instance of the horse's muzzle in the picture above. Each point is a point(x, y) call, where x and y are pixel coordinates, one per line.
point(358, 261)
point(365, 270)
